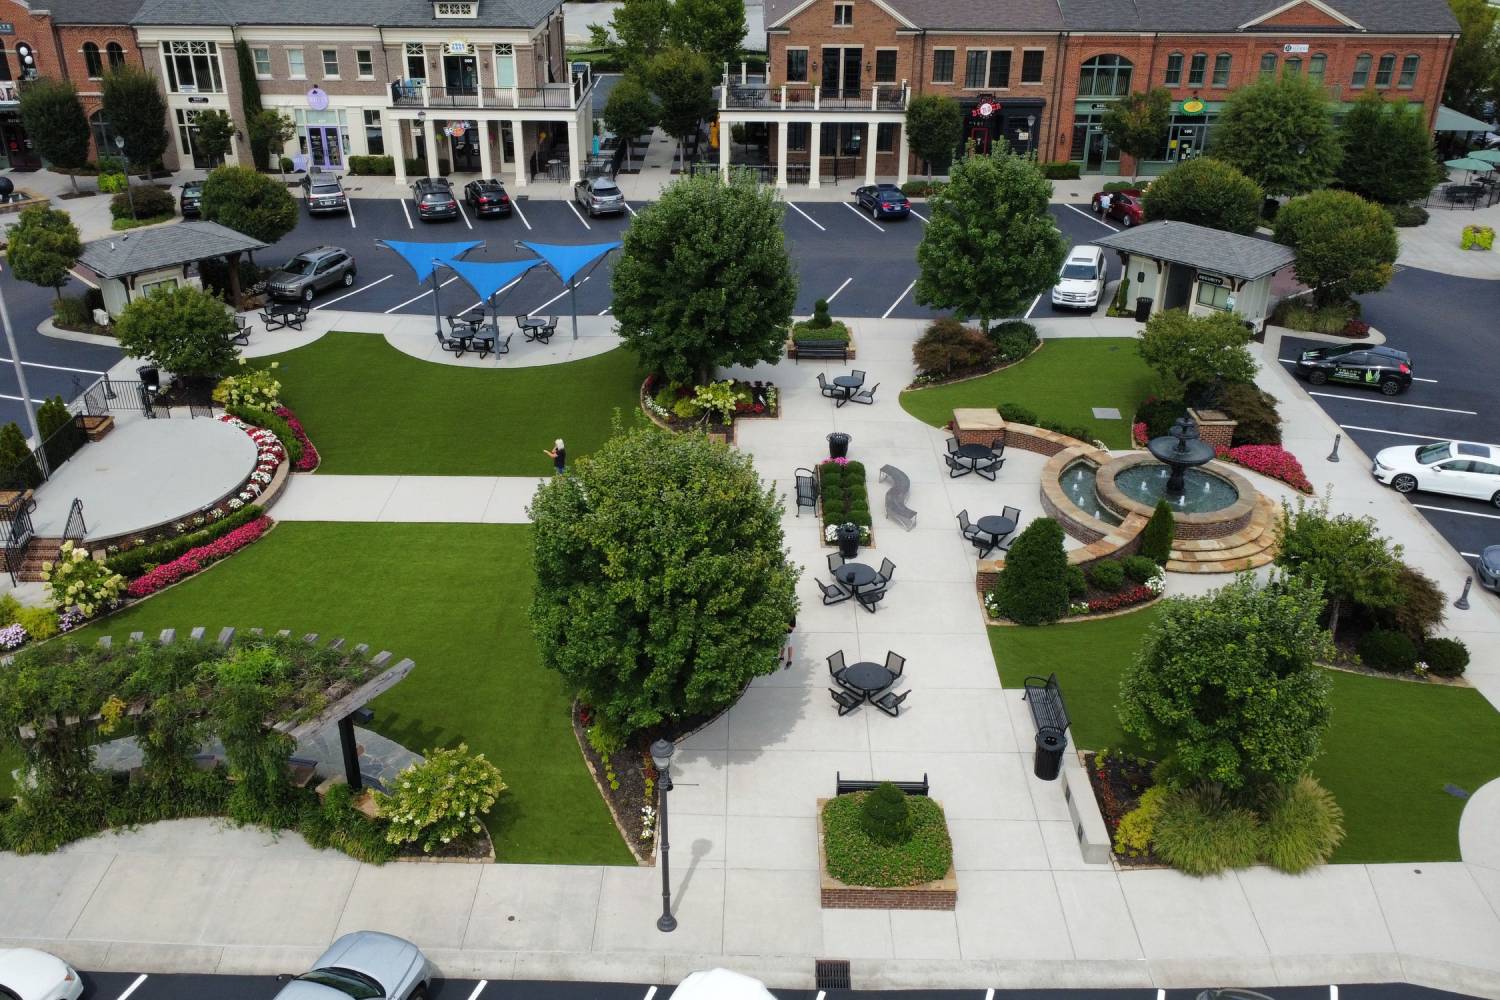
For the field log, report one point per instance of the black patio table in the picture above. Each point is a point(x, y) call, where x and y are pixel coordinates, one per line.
point(847, 384)
point(869, 679)
point(995, 525)
point(855, 575)
point(974, 454)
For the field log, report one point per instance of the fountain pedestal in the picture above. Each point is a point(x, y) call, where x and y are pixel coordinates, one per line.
point(1180, 449)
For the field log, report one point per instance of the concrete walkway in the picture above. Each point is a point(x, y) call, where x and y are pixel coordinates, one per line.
point(465, 499)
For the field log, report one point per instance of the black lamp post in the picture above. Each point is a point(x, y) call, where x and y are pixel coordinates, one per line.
point(661, 756)
point(129, 195)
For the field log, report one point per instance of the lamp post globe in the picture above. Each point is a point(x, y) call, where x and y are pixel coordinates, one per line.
point(661, 756)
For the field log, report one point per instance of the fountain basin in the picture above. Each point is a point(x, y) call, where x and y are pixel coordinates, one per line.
point(1217, 501)
point(1077, 481)
point(1203, 492)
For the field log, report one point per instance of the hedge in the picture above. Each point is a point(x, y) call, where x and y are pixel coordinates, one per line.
point(133, 562)
point(380, 166)
point(1060, 171)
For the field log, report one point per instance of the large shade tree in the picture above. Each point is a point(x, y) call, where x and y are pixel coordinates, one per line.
point(1279, 132)
point(1474, 72)
point(934, 128)
point(662, 584)
point(1138, 124)
point(704, 278)
point(247, 202)
point(184, 330)
point(1205, 192)
point(683, 82)
point(712, 27)
point(56, 123)
point(43, 247)
point(1388, 151)
point(1345, 245)
point(630, 110)
point(135, 109)
point(991, 245)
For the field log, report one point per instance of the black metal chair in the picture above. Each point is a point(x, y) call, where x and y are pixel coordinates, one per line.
point(859, 375)
point(895, 663)
point(1014, 513)
point(831, 391)
point(1003, 546)
point(955, 467)
point(835, 563)
point(544, 335)
point(887, 570)
point(847, 701)
point(870, 597)
point(890, 703)
point(866, 396)
point(832, 593)
point(952, 446)
point(968, 528)
point(836, 667)
point(450, 343)
point(988, 466)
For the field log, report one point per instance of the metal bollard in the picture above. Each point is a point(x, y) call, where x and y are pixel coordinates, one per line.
point(1333, 456)
point(1462, 603)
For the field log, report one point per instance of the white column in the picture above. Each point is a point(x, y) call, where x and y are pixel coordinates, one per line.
point(814, 152)
point(429, 136)
point(394, 131)
point(518, 134)
point(903, 153)
point(573, 174)
point(781, 154)
point(484, 148)
point(871, 129)
point(500, 147)
point(725, 139)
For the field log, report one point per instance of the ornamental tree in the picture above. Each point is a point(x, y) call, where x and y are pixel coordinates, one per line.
point(43, 247)
point(1388, 152)
point(184, 330)
point(134, 107)
point(57, 125)
point(683, 82)
point(1343, 556)
point(1228, 688)
point(1279, 132)
point(1190, 354)
point(1206, 192)
point(991, 245)
point(934, 128)
point(1345, 246)
point(1138, 124)
point(630, 110)
point(662, 582)
point(215, 134)
point(247, 202)
point(704, 278)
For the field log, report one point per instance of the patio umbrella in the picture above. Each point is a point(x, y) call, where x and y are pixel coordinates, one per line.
point(1490, 156)
point(425, 259)
point(1469, 163)
point(566, 261)
point(488, 279)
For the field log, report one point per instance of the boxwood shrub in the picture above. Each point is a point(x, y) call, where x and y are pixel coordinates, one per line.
point(1139, 568)
point(1383, 649)
point(1108, 575)
point(856, 858)
point(1445, 657)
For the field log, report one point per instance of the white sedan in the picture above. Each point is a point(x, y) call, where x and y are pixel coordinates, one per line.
point(27, 974)
point(1456, 468)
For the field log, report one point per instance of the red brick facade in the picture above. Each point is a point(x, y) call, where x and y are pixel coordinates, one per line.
point(71, 39)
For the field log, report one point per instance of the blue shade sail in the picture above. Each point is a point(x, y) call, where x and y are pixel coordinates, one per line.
point(487, 278)
point(424, 257)
point(568, 259)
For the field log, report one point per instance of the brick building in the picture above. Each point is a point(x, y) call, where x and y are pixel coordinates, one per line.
point(1040, 74)
point(27, 51)
point(91, 38)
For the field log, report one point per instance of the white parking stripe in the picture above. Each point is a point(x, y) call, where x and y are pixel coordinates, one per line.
point(356, 291)
point(605, 310)
point(56, 368)
point(989, 994)
point(82, 278)
point(132, 987)
point(416, 298)
point(349, 204)
point(1450, 510)
point(1404, 434)
point(1033, 306)
point(649, 993)
point(517, 206)
point(580, 218)
point(793, 207)
point(407, 213)
point(919, 215)
point(463, 213)
point(1333, 992)
point(1387, 402)
point(838, 289)
point(553, 299)
point(1092, 216)
point(479, 988)
point(887, 313)
point(863, 216)
point(628, 208)
point(1289, 361)
point(1469, 555)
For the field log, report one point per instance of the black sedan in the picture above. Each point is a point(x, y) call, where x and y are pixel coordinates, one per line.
point(487, 197)
point(1378, 367)
point(192, 197)
point(883, 201)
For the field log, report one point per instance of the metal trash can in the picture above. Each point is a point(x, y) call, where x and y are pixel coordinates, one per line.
point(150, 377)
point(1142, 309)
point(848, 538)
point(838, 445)
point(1050, 744)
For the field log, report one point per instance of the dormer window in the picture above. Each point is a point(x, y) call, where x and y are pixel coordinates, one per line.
point(455, 8)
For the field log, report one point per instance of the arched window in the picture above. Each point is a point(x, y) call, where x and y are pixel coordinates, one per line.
point(1316, 67)
point(1408, 78)
point(1361, 70)
point(1105, 76)
point(1222, 62)
point(1384, 69)
point(1174, 70)
point(1197, 68)
point(1292, 66)
point(91, 61)
point(1268, 64)
point(115, 54)
point(103, 132)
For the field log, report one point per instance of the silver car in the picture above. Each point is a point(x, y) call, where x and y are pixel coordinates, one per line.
point(310, 272)
point(364, 965)
point(599, 196)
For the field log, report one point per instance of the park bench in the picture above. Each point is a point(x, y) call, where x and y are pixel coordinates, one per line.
point(1044, 698)
point(846, 786)
point(823, 350)
point(895, 497)
point(807, 491)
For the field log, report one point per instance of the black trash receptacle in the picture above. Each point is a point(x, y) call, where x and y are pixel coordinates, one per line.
point(838, 445)
point(848, 537)
point(1050, 744)
point(1142, 309)
point(150, 377)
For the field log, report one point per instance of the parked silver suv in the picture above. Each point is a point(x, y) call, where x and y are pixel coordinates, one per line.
point(310, 272)
point(599, 196)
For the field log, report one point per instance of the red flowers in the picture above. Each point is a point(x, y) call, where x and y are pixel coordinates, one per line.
point(309, 460)
point(1274, 461)
point(1114, 602)
point(1140, 432)
point(195, 559)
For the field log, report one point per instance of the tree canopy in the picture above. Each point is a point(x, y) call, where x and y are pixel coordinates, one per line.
point(55, 121)
point(713, 27)
point(1388, 151)
point(934, 126)
point(43, 247)
point(134, 107)
point(1205, 192)
point(662, 584)
point(1138, 124)
point(704, 278)
point(1279, 132)
point(249, 203)
point(1227, 685)
point(215, 134)
point(184, 330)
point(1474, 72)
point(991, 245)
point(1190, 353)
point(630, 110)
point(683, 82)
point(1345, 245)
point(1342, 555)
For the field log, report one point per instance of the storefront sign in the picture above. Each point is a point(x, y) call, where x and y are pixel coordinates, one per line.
point(7, 28)
point(1294, 48)
point(458, 48)
point(1098, 107)
point(1210, 279)
point(985, 109)
point(197, 100)
point(317, 98)
point(1192, 106)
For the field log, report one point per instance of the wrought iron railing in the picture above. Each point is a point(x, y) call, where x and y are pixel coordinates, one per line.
point(16, 531)
point(75, 528)
point(413, 94)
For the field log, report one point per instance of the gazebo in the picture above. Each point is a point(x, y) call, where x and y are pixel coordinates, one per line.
point(132, 264)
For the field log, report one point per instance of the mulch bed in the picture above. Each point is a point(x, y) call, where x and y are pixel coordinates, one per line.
point(1117, 788)
point(472, 847)
point(187, 392)
point(70, 195)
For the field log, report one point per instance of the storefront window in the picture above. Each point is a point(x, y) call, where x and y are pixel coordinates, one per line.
point(1105, 76)
point(374, 134)
point(1214, 296)
point(1222, 63)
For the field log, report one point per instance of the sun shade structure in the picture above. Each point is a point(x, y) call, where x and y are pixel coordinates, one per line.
point(1451, 120)
point(1469, 163)
point(424, 260)
point(567, 261)
point(490, 278)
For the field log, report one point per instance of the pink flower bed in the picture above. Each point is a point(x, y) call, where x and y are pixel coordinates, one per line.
point(1124, 599)
point(310, 459)
point(196, 559)
point(1267, 459)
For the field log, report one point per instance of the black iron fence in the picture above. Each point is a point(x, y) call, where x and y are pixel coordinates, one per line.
point(16, 532)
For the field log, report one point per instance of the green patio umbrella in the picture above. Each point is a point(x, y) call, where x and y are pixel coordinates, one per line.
point(1469, 163)
point(1490, 156)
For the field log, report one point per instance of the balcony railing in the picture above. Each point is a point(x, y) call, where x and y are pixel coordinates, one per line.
point(807, 97)
point(561, 96)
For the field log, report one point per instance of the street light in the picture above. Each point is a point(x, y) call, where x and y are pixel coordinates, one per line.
point(129, 195)
point(661, 756)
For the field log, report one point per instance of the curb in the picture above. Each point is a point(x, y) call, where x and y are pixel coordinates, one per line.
point(48, 328)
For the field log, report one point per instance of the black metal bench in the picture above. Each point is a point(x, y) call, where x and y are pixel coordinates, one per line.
point(1044, 698)
point(895, 497)
point(823, 350)
point(846, 786)
point(807, 491)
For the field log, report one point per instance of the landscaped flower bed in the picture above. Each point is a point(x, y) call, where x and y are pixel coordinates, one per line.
point(1107, 586)
point(309, 459)
point(1267, 459)
point(845, 498)
point(1119, 780)
point(196, 559)
point(713, 407)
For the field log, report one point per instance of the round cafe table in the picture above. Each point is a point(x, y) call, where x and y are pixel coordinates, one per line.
point(995, 526)
point(975, 452)
point(855, 575)
point(867, 678)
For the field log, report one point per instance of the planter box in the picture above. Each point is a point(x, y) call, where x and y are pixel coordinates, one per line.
point(96, 427)
point(835, 895)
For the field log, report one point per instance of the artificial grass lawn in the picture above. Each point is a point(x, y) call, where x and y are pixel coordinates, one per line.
point(1062, 382)
point(372, 410)
point(454, 599)
point(1390, 748)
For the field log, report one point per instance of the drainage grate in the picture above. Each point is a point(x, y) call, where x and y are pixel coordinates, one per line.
point(832, 974)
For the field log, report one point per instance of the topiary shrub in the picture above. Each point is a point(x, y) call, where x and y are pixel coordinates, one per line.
point(1390, 651)
point(820, 318)
point(1301, 825)
point(1108, 575)
point(948, 345)
point(1015, 413)
point(1014, 339)
point(150, 202)
point(1033, 586)
point(1445, 657)
point(1139, 568)
point(1156, 537)
point(18, 466)
point(1201, 833)
point(1078, 584)
point(856, 858)
point(1255, 410)
point(885, 815)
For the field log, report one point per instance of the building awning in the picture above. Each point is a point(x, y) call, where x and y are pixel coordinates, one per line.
point(163, 246)
point(1449, 120)
point(1211, 250)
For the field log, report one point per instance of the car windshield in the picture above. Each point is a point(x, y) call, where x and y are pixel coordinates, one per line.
point(1429, 453)
point(299, 265)
point(325, 190)
point(193, 189)
point(893, 194)
point(1083, 272)
point(353, 984)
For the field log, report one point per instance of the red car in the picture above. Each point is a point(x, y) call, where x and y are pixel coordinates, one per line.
point(1124, 206)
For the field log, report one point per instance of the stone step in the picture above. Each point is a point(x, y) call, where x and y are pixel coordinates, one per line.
point(1236, 565)
point(1219, 555)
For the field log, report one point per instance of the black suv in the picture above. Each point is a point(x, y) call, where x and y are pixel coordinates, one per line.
point(434, 199)
point(310, 272)
point(192, 196)
point(1380, 367)
point(487, 197)
point(324, 193)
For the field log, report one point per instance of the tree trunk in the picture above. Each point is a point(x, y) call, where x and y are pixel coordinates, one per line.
point(1333, 617)
point(74, 178)
point(234, 280)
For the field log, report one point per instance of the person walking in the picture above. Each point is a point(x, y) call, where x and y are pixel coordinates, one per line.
point(1104, 202)
point(559, 456)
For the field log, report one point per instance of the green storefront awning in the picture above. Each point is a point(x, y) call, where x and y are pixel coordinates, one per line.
point(1449, 120)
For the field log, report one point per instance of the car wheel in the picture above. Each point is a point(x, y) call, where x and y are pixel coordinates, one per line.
point(1317, 377)
point(874, 212)
point(1495, 500)
point(1125, 221)
point(417, 994)
point(307, 294)
point(1098, 208)
point(1404, 483)
point(1390, 387)
point(348, 279)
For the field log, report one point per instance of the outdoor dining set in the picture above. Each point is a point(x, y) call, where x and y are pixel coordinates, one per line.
point(475, 332)
point(870, 682)
point(847, 388)
point(991, 532)
point(985, 459)
point(863, 583)
point(283, 315)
